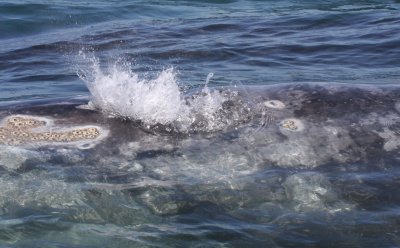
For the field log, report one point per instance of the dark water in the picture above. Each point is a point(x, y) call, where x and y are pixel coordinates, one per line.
point(237, 183)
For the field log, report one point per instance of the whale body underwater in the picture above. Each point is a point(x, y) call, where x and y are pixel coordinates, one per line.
point(277, 144)
point(304, 125)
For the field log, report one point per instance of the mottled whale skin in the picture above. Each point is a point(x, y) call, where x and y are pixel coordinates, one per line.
point(276, 145)
point(305, 125)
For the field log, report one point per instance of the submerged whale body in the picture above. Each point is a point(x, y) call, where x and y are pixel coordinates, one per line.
point(288, 126)
point(263, 144)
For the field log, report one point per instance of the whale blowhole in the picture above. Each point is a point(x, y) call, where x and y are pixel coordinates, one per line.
point(275, 104)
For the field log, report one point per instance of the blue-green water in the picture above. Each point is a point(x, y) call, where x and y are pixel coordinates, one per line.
point(251, 42)
point(216, 187)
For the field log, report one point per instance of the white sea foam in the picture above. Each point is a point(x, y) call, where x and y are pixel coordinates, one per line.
point(119, 91)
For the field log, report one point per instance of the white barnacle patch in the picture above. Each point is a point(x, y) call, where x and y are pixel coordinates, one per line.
point(293, 125)
point(275, 104)
point(28, 130)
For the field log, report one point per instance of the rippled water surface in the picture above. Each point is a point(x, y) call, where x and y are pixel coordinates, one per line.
point(223, 123)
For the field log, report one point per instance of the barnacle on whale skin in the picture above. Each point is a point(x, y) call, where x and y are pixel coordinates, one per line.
point(292, 124)
point(20, 130)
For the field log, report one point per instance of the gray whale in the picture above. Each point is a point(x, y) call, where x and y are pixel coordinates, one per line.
point(339, 124)
point(271, 144)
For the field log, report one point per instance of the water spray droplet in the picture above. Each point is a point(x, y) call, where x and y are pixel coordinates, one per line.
point(209, 76)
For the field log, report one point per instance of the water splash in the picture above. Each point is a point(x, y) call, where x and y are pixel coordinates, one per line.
point(209, 76)
point(119, 91)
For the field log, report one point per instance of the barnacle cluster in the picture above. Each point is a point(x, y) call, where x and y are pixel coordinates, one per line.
point(20, 130)
point(293, 125)
point(289, 124)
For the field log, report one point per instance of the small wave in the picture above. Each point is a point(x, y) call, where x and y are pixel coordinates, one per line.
point(119, 91)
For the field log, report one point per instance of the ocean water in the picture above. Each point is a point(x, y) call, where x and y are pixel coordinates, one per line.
point(222, 123)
